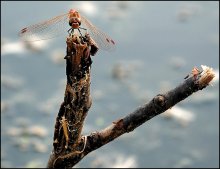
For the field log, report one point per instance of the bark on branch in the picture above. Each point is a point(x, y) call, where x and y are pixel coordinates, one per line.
point(69, 145)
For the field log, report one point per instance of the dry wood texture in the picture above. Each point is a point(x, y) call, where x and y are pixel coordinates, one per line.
point(69, 146)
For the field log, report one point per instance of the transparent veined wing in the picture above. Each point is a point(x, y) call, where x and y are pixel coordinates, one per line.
point(102, 39)
point(59, 25)
point(46, 29)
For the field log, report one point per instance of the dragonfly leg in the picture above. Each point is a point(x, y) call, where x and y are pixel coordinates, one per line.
point(70, 31)
point(82, 28)
point(81, 36)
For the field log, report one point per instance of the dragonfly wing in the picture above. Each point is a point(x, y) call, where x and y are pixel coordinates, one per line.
point(46, 30)
point(102, 39)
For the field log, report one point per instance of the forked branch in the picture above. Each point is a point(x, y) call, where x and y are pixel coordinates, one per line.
point(69, 145)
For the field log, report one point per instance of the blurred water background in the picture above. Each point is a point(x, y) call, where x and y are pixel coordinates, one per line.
point(158, 43)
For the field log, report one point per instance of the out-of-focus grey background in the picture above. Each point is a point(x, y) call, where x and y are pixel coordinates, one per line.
point(158, 43)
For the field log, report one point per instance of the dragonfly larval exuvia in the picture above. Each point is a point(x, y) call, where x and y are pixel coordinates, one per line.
point(68, 22)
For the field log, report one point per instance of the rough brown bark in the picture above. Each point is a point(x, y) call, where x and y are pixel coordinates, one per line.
point(67, 139)
point(69, 145)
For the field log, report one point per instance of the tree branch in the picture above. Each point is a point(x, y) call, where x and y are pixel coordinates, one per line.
point(69, 146)
point(156, 106)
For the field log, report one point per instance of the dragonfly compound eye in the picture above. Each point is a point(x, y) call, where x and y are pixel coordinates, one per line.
point(78, 20)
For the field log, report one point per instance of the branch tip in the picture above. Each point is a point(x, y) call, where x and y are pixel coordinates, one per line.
point(207, 76)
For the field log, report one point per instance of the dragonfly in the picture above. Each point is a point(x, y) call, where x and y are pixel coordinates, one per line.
point(68, 22)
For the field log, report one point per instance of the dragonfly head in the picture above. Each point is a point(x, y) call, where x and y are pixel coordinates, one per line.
point(74, 19)
point(75, 22)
